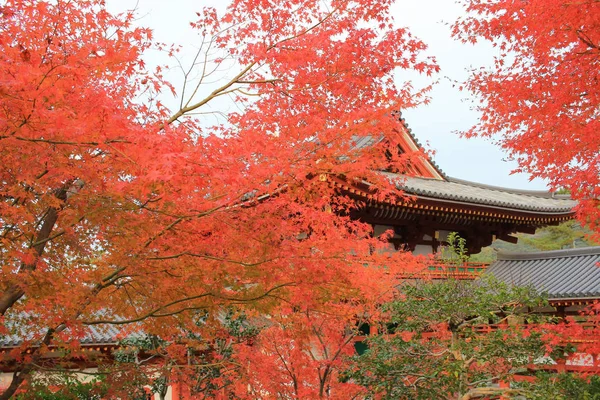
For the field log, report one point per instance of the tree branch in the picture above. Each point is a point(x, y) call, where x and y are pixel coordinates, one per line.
point(155, 313)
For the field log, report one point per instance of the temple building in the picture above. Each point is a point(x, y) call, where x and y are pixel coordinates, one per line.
point(438, 204)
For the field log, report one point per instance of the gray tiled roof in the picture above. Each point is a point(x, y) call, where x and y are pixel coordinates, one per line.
point(100, 334)
point(363, 142)
point(562, 274)
point(476, 193)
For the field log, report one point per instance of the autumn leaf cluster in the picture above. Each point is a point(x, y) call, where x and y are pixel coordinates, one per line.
point(118, 212)
point(540, 98)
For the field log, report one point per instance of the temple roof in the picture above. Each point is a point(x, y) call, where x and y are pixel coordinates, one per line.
point(431, 183)
point(457, 190)
point(562, 274)
point(94, 335)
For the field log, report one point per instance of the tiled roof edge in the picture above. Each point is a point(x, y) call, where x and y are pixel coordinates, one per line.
point(542, 255)
point(574, 298)
point(533, 193)
point(556, 208)
point(556, 211)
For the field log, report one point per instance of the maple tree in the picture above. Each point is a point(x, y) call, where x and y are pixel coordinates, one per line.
point(540, 98)
point(299, 359)
point(116, 211)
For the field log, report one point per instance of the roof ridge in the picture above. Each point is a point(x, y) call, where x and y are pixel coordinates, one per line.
point(546, 194)
point(481, 194)
point(541, 255)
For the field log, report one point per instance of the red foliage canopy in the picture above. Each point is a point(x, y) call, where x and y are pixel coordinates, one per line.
point(115, 211)
point(540, 99)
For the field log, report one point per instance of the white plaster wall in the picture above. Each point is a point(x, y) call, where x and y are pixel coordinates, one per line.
point(423, 250)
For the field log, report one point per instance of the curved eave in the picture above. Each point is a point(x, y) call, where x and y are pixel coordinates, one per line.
point(462, 204)
point(534, 193)
point(459, 214)
point(435, 206)
point(546, 255)
point(573, 301)
point(463, 192)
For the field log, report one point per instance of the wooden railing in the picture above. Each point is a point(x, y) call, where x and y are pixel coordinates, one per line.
point(441, 270)
point(585, 361)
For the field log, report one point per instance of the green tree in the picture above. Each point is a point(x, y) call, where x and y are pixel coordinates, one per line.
point(451, 339)
point(455, 253)
point(563, 386)
point(569, 234)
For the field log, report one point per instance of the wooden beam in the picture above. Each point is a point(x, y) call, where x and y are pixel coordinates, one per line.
point(527, 229)
point(509, 238)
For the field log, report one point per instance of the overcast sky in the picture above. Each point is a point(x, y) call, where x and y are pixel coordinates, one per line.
point(436, 124)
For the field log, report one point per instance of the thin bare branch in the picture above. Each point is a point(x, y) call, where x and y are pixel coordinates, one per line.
point(156, 312)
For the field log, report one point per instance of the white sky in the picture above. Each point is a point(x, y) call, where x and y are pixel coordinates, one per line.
point(436, 124)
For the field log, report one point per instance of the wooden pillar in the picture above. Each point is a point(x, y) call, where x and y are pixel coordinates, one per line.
point(180, 391)
point(561, 366)
point(504, 385)
point(175, 391)
point(186, 393)
point(561, 312)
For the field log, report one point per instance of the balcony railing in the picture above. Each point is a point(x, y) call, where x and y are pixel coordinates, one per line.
point(439, 269)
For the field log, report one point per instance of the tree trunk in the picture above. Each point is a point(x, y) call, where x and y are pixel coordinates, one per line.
point(26, 369)
point(14, 292)
point(480, 392)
